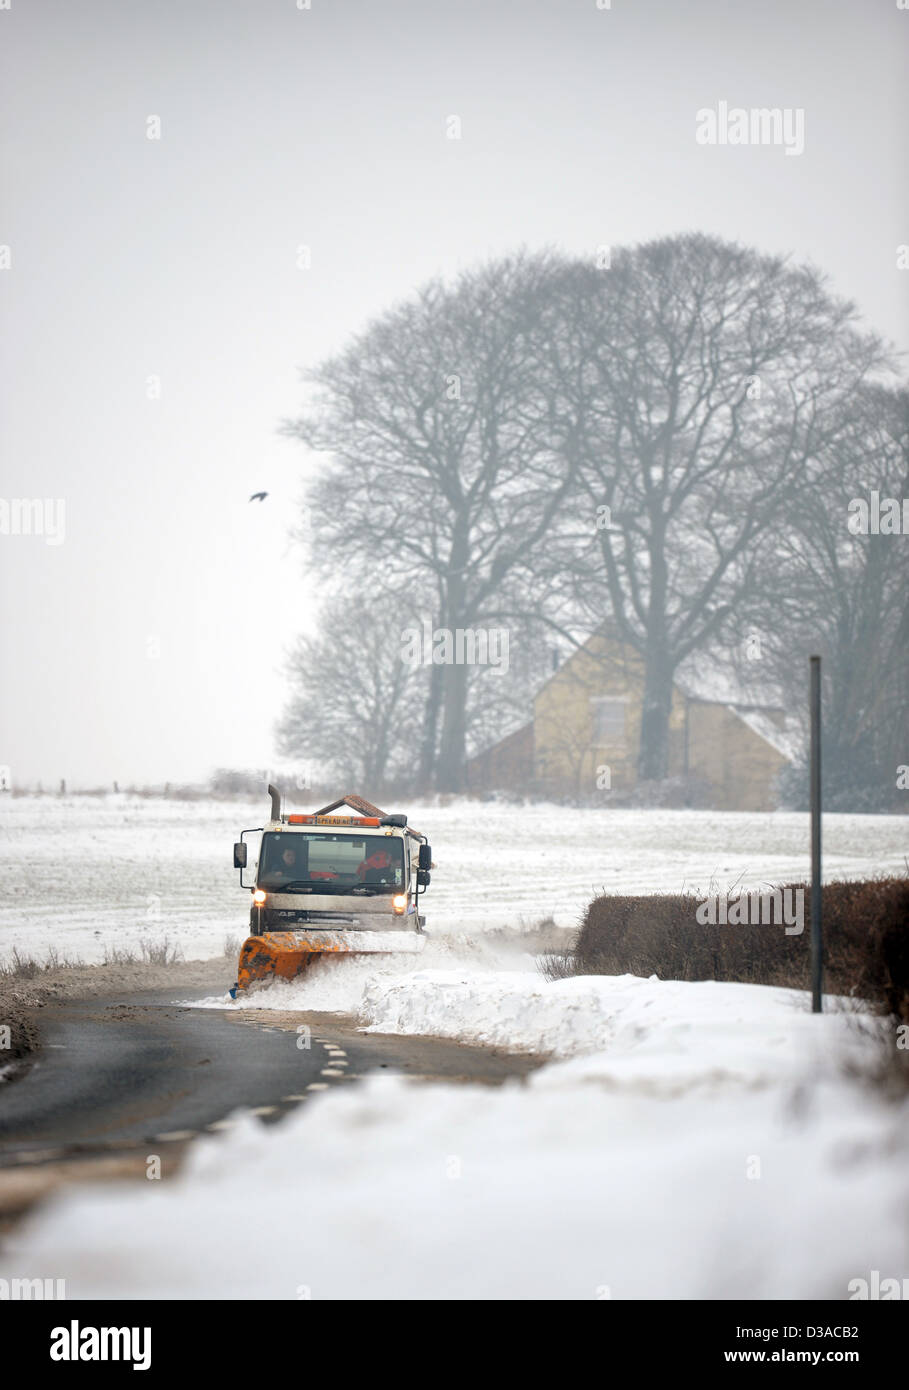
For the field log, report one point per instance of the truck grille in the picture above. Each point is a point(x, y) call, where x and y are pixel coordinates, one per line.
point(288, 917)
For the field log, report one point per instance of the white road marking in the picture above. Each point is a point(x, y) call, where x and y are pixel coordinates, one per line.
point(331, 1071)
point(177, 1134)
point(317, 1086)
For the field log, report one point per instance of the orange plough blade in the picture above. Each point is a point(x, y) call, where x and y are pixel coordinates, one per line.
point(288, 954)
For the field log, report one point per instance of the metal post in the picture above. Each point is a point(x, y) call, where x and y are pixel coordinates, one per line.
point(817, 942)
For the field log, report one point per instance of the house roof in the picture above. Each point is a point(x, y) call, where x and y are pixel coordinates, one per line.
point(699, 677)
point(709, 681)
point(716, 684)
point(781, 737)
point(752, 702)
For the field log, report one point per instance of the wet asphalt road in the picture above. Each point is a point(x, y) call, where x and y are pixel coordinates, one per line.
point(120, 1073)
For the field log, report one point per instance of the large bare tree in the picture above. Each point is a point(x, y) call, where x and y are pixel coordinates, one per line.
point(827, 586)
point(446, 462)
point(705, 378)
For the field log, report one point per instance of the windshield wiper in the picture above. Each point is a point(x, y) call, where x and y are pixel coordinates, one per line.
point(293, 885)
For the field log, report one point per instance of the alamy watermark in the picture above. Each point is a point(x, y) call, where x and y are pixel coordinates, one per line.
point(34, 516)
point(461, 646)
point(876, 1289)
point(877, 516)
point(32, 1290)
point(755, 125)
point(780, 907)
point(78, 1343)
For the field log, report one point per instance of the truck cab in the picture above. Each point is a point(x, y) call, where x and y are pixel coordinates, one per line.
point(334, 871)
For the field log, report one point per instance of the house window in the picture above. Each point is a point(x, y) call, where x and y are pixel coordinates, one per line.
point(607, 718)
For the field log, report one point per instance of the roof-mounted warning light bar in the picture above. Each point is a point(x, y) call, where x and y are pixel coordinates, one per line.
point(332, 820)
point(370, 815)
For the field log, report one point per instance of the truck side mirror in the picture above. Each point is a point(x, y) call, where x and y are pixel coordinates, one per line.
point(240, 855)
point(423, 877)
point(425, 859)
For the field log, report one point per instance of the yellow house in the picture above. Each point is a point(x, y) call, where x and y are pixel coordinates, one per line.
point(582, 742)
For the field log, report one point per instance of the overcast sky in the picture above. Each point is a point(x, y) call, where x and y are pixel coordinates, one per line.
point(149, 644)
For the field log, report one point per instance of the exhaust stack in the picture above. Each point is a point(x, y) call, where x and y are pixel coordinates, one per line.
point(275, 802)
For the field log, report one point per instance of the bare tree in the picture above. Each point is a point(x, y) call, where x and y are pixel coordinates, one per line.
point(705, 377)
point(827, 587)
point(446, 464)
point(354, 703)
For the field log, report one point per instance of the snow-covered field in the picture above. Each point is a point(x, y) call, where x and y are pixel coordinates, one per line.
point(84, 873)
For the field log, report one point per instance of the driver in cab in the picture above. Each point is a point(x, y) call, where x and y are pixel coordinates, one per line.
point(286, 869)
point(291, 867)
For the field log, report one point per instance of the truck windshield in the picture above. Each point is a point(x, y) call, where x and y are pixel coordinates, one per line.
point(304, 862)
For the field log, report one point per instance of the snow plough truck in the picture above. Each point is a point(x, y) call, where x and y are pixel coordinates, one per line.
point(324, 882)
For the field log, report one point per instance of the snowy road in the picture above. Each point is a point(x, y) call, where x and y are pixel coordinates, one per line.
point(140, 1070)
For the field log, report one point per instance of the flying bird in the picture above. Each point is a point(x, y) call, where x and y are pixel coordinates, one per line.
point(258, 497)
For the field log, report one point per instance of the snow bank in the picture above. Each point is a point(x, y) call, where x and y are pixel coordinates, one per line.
point(509, 1009)
point(556, 1189)
point(667, 1032)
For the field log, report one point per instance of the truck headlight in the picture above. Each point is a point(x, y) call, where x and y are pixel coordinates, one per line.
point(259, 896)
point(399, 903)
